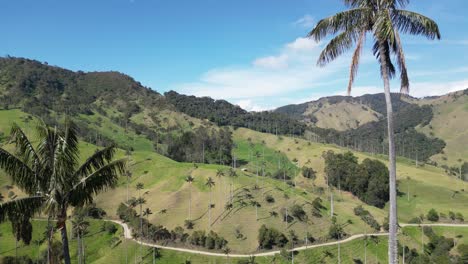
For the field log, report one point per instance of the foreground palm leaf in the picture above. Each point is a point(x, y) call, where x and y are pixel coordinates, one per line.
point(49, 173)
point(384, 20)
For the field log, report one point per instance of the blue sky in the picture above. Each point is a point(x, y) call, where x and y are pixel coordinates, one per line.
point(250, 52)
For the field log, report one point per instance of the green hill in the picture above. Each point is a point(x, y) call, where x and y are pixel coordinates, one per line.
point(258, 176)
point(428, 129)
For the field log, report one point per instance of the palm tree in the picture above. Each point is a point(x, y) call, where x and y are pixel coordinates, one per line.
point(128, 175)
point(80, 227)
point(257, 156)
point(219, 174)
point(226, 252)
point(190, 180)
point(50, 174)
point(231, 173)
point(385, 20)
point(210, 183)
point(140, 201)
point(147, 212)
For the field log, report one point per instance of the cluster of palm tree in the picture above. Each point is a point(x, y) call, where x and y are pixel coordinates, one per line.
point(384, 20)
point(50, 175)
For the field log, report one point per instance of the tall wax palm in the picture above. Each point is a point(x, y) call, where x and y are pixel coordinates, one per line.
point(80, 227)
point(210, 183)
point(140, 201)
point(220, 174)
point(51, 175)
point(190, 180)
point(257, 156)
point(384, 20)
point(147, 212)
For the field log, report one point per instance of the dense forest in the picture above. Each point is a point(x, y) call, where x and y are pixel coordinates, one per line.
point(224, 113)
point(371, 137)
point(201, 145)
point(368, 180)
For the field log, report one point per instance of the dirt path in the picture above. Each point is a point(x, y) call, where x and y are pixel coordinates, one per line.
point(128, 235)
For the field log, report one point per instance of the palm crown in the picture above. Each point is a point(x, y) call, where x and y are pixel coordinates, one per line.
point(50, 173)
point(385, 19)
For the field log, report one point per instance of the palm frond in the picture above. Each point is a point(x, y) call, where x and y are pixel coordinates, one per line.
point(337, 46)
point(343, 21)
point(97, 160)
point(101, 179)
point(21, 174)
point(24, 147)
point(70, 138)
point(390, 67)
point(31, 205)
point(401, 62)
point(355, 61)
point(409, 22)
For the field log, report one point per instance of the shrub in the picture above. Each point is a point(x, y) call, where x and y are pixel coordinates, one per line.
point(336, 230)
point(432, 215)
point(460, 217)
point(367, 217)
point(269, 198)
point(270, 237)
point(298, 212)
point(317, 207)
point(309, 173)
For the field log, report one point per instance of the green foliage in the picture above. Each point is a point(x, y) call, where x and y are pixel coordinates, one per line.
point(269, 198)
point(270, 237)
point(309, 173)
point(432, 215)
point(317, 207)
point(210, 241)
point(336, 231)
point(368, 181)
point(371, 138)
point(367, 217)
point(202, 146)
point(298, 212)
point(224, 113)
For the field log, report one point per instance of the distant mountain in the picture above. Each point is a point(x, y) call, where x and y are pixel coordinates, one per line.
point(359, 122)
point(224, 113)
point(113, 108)
point(104, 103)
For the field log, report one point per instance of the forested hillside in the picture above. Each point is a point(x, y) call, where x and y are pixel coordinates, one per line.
point(224, 113)
point(358, 123)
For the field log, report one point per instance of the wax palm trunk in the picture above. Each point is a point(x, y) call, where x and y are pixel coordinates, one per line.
point(393, 218)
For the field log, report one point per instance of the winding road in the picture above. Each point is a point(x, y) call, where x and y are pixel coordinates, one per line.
point(128, 235)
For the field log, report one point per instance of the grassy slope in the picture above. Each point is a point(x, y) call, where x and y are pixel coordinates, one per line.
point(164, 179)
point(429, 187)
point(102, 247)
point(341, 116)
point(449, 123)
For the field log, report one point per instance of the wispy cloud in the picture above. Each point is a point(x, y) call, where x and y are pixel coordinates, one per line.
point(307, 21)
point(292, 70)
point(417, 89)
point(291, 76)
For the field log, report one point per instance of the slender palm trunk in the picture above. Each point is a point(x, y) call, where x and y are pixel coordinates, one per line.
point(209, 212)
point(190, 202)
point(79, 248)
point(393, 221)
point(63, 232)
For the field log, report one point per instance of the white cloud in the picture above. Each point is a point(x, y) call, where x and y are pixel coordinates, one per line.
point(306, 21)
point(417, 89)
point(291, 76)
point(302, 44)
point(423, 89)
point(272, 62)
point(292, 70)
point(249, 105)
